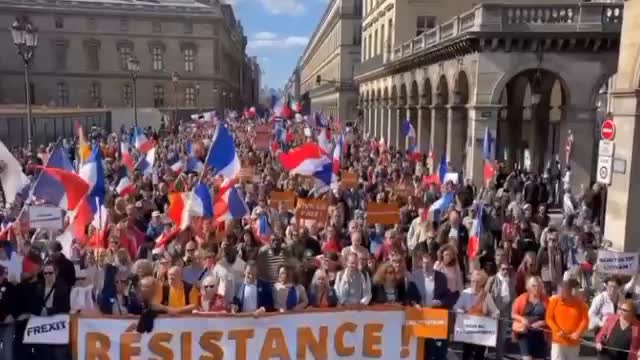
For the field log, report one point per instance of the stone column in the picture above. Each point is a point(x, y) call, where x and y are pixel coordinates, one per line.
point(539, 136)
point(424, 128)
point(456, 136)
point(438, 132)
point(623, 196)
point(480, 118)
point(581, 121)
point(374, 119)
point(401, 140)
point(513, 136)
point(384, 121)
point(392, 126)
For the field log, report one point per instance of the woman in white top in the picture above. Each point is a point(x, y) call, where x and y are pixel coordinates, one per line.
point(605, 303)
point(287, 293)
point(82, 297)
point(476, 301)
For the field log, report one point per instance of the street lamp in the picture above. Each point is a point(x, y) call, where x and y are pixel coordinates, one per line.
point(197, 86)
point(224, 101)
point(25, 38)
point(175, 77)
point(134, 66)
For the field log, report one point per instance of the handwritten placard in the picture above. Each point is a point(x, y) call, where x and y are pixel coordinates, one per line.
point(619, 263)
point(247, 173)
point(312, 209)
point(349, 180)
point(478, 330)
point(263, 137)
point(287, 198)
point(383, 213)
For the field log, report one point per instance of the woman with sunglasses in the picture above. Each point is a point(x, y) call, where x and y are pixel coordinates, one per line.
point(210, 300)
point(619, 337)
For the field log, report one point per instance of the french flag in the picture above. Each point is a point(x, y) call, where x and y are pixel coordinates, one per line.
point(488, 150)
point(145, 165)
point(140, 141)
point(47, 188)
point(197, 203)
point(477, 230)
point(230, 205)
point(222, 155)
point(74, 187)
point(308, 160)
point(263, 228)
point(324, 141)
point(408, 130)
point(335, 165)
point(193, 164)
point(441, 205)
point(93, 173)
point(125, 187)
point(175, 163)
point(166, 237)
point(125, 156)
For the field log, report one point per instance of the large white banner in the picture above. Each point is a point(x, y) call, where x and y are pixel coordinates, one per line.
point(473, 329)
point(347, 334)
point(52, 330)
point(619, 263)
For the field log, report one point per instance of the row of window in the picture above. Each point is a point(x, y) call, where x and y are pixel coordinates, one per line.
point(92, 25)
point(374, 45)
point(125, 53)
point(95, 95)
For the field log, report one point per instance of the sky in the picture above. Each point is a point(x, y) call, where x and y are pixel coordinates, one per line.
point(277, 32)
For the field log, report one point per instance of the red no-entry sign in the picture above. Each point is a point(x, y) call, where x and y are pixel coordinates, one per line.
point(608, 130)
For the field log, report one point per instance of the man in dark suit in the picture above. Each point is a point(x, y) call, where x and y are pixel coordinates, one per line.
point(65, 267)
point(434, 292)
point(253, 294)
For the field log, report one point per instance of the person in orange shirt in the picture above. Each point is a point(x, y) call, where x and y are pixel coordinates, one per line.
point(177, 293)
point(568, 318)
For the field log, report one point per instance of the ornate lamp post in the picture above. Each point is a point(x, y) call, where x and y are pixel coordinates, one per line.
point(175, 77)
point(197, 86)
point(134, 67)
point(224, 102)
point(25, 38)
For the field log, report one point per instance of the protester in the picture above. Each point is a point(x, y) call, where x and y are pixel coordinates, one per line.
point(253, 295)
point(321, 294)
point(211, 301)
point(604, 304)
point(528, 313)
point(568, 318)
point(619, 337)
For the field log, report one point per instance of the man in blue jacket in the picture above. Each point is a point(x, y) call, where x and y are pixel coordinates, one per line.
point(253, 294)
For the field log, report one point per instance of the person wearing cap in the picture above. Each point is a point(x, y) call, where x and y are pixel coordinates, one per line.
point(156, 226)
point(568, 318)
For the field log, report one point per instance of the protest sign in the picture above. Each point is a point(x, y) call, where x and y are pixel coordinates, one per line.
point(453, 177)
point(427, 322)
point(312, 209)
point(349, 180)
point(473, 329)
point(619, 263)
point(45, 217)
point(385, 214)
point(51, 330)
point(263, 137)
point(313, 334)
point(287, 198)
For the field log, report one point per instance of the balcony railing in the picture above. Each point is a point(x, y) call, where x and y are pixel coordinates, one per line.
point(368, 65)
point(505, 18)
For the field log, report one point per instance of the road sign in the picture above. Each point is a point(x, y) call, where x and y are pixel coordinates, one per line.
point(608, 130)
point(604, 169)
point(606, 148)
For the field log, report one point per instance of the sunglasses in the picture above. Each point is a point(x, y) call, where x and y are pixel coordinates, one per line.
point(209, 286)
point(191, 250)
point(48, 272)
point(625, 310)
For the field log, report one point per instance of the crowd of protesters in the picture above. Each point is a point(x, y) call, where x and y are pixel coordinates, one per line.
point(537, 275)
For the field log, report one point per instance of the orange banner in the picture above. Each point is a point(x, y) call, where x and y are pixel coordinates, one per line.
point(349, 180)
point(385, 214)
point(312, 209)
point(288, 198)
point(427, 323)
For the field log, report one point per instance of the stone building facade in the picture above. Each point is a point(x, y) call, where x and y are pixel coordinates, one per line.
point(81, 58)
point(326, 65)
point(529, 74)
